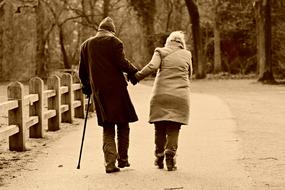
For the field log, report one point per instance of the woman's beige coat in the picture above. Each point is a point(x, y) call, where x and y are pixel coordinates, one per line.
point(170, 96)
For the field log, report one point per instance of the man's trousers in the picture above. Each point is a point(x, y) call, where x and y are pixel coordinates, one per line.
point(109, 144)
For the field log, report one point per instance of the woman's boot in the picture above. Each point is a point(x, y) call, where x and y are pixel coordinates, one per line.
point(170, 161)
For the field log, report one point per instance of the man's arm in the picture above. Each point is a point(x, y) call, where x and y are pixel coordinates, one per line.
point(120, 59)
point(84, 72)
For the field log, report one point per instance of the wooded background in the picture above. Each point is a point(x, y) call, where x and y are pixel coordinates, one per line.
point(237, 37)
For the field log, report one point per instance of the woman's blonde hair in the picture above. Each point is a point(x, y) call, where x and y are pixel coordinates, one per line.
point(176, 36)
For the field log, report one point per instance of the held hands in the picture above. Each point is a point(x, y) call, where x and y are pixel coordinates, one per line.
point(132, 78)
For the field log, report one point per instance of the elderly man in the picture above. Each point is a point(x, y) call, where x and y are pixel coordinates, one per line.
point(101, 70)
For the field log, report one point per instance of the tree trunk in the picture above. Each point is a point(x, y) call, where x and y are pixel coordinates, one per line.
point(264, 54)
point(40, 46)
point(66, 63)
point(106, 6)
point(146, 12)
point(1, 40)
point(148, 31)
point(217, 40)
point(198, 57)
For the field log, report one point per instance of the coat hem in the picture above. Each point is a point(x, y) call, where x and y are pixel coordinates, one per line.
point(182, 123)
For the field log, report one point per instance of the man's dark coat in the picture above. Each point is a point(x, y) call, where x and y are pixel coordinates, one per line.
point(102, 64)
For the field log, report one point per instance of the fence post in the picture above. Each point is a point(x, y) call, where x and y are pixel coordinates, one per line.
point(78, 95)
point(17, 142)
point(53, 83)
point(36, 86)
point(67, 98)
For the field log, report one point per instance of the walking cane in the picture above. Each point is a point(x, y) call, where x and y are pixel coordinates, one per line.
point(84, 128)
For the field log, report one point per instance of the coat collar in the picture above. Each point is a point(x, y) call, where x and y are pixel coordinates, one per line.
point(174, 45)
point(102, 32)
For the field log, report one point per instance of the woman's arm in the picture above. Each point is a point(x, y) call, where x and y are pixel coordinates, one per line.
point(150, 68)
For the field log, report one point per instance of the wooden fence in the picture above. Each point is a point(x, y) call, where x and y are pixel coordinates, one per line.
point(28, 115)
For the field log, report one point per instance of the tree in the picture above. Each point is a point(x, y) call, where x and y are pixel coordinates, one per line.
point(264, 53)
point(217, 38)
point(170, 14)
point(146, 10)
point(87, 14)
point(41, 39)
point(60, 18)
point(1, 37)
point(278, 38)
point(198, 58)
point(229, 25)
point(106, 8)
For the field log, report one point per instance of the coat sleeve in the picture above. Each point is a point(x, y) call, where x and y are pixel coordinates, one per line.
point(120, 59)
point(83, 68)
point(151, 67)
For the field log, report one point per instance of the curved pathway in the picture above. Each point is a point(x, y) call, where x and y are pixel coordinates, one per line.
point(208, 155)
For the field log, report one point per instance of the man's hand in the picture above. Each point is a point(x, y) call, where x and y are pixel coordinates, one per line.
point(132, 78)
point(86, 90)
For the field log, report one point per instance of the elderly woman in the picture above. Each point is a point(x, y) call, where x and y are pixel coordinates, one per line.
point(169, 105)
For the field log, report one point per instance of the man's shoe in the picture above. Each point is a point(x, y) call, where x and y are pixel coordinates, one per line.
point(112, 170)
point(122, 164)
point(159, 162)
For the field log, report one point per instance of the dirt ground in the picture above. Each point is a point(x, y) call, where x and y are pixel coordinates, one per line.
point(258, 110)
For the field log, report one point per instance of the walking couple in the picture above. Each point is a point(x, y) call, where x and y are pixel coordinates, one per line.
point(101, 70)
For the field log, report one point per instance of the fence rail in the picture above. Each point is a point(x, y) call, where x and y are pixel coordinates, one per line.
point(29, 115)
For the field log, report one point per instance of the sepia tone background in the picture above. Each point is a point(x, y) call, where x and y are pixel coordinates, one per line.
point(238, 49)
point(38, 37)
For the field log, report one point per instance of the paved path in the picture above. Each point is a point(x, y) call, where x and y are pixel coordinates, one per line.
point(208, 155)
